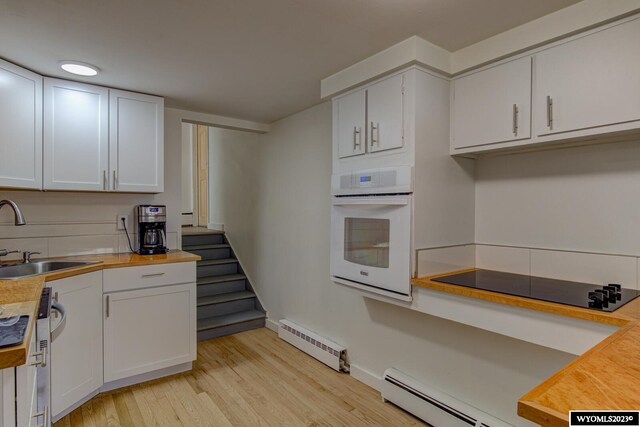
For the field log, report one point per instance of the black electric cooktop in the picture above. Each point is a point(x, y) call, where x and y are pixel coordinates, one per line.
point(606, 297)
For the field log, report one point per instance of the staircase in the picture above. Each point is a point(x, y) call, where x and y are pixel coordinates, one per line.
point(226, 301)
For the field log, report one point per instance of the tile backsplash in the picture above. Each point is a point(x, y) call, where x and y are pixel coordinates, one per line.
point(564, 265)
point(57, 244)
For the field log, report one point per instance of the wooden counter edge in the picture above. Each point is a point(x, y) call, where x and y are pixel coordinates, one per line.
point(62, 274)
point(17, 355)
point(521, 302)
point(527, 407)
point(541, 415)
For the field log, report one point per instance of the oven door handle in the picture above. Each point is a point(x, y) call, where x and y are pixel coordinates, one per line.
point(55, 305)
point(370, 202)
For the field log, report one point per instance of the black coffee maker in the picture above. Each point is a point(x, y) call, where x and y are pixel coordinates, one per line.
point(151, 224)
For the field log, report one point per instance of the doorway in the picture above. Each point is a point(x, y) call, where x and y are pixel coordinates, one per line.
point(202, 175)
point(195, 175)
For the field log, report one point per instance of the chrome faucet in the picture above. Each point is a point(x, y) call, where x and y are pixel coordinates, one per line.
point(19, 218)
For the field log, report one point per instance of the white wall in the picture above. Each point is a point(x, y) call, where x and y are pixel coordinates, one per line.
point(581, 198)
point(288, 262)
point(233, 183)
point(187, 168)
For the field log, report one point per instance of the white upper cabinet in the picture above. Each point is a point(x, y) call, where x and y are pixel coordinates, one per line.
point(492, 105)
point(76, 136)
point(385, 114)
point(95, 138)
point(136, 142)
point(589, 82)
point(370, 119)
point(20, 127)
point(350, 128)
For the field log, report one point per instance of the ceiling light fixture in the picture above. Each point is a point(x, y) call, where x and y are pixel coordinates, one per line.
point(79, 68)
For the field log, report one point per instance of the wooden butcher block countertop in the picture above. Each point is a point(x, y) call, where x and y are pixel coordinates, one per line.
point(25, 293)
point(605, 377)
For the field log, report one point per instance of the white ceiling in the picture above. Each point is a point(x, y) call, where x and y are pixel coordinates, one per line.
point(259, 60)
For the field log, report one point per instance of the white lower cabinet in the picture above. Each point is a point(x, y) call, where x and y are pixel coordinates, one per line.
point(148, 329)
point(76, 346)
point(7, 397)
point(145, 322)
point(26, 389)
point(149, 319)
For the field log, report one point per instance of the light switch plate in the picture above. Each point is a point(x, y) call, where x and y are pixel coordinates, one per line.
point(119, 225)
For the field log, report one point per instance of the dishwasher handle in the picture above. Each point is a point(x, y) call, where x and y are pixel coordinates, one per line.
point(55, 305)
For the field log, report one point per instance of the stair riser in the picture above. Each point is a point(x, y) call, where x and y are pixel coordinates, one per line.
point(203, 239)
point(231, 329)
point(226, 308)
point(221, 288)
point(217, 270)
point(212, 253)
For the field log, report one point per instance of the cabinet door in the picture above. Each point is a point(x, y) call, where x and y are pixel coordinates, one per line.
point(26, 378)
point(76, 346)
point(493, 105)
point(385, 110)
point(349, 127)
point(76, 136)
point(148, 329)
point(589, 82)
point(8, 397)
point(136, 142)
point(20, 127)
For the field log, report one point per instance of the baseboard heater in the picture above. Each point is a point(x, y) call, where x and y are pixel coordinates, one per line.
point(326, 351)
point(433, 406)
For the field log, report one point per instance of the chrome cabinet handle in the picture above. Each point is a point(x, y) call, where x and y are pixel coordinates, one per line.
point(375, 128)
point(58, 308)
point(356, 137)
point(115, 180)
point(107, 307)
point(43, 358)
point(104, 179)
point(55, 298)
point(515, 120)
point(152, 275)
point(549, 112)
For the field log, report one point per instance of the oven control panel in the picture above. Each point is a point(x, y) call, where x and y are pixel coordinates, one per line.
point(374, 181)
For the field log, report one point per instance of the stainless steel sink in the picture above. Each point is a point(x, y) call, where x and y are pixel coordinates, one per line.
point(34, 268)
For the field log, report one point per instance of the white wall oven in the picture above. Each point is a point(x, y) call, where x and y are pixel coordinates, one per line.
point(371, 234)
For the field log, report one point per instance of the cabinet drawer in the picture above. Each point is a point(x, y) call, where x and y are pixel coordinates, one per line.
point(147, 276)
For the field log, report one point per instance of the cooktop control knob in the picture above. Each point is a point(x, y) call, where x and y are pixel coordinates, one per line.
point(605, 297)
point(617, 288)
point(614, 295)
point(597, 300)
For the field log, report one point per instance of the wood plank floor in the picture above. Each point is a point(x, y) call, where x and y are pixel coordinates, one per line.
point(247, 379)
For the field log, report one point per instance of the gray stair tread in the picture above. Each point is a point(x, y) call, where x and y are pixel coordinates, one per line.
point(229, 319)
point(217, 261)
point(200, 231)
point(203, 247)
point(219, 279)
point(231, 296)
